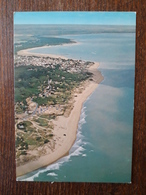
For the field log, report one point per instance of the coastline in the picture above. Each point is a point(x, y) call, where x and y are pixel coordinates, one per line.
point(63, 125)
point(27, 52)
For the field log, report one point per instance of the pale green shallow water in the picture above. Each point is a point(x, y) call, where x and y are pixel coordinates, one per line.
point(103, 149)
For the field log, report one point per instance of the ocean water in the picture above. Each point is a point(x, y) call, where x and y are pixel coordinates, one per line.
point(102, 151)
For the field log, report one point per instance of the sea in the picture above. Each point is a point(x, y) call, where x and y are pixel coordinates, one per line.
point(102, 151)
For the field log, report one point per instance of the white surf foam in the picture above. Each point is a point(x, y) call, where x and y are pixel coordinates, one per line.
point(76, 150)
point(52, 174)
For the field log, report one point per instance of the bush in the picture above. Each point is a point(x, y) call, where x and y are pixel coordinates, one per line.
point(46, 141)
point(38, 138)
point(23, 153)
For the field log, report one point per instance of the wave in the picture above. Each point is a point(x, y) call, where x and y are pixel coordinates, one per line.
point(76, 150)
point(52, 174)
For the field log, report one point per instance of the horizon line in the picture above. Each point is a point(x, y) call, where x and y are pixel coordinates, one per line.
point(83, 24)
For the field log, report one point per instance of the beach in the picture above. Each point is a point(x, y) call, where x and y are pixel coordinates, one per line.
point(65, 127)
point(27, 52)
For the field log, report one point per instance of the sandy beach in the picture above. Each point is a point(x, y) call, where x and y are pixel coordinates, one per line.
point(64, 127)
point(27, 52)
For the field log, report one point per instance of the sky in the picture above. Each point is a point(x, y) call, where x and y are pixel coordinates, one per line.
point(95, 18)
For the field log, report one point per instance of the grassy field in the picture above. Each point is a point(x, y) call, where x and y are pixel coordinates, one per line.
point(30, 137)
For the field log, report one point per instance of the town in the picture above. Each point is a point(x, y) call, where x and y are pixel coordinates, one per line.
point(52, 80)
point(69, 65)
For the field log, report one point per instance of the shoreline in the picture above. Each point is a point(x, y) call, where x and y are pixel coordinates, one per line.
point(67, 126)
point(27, 52)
